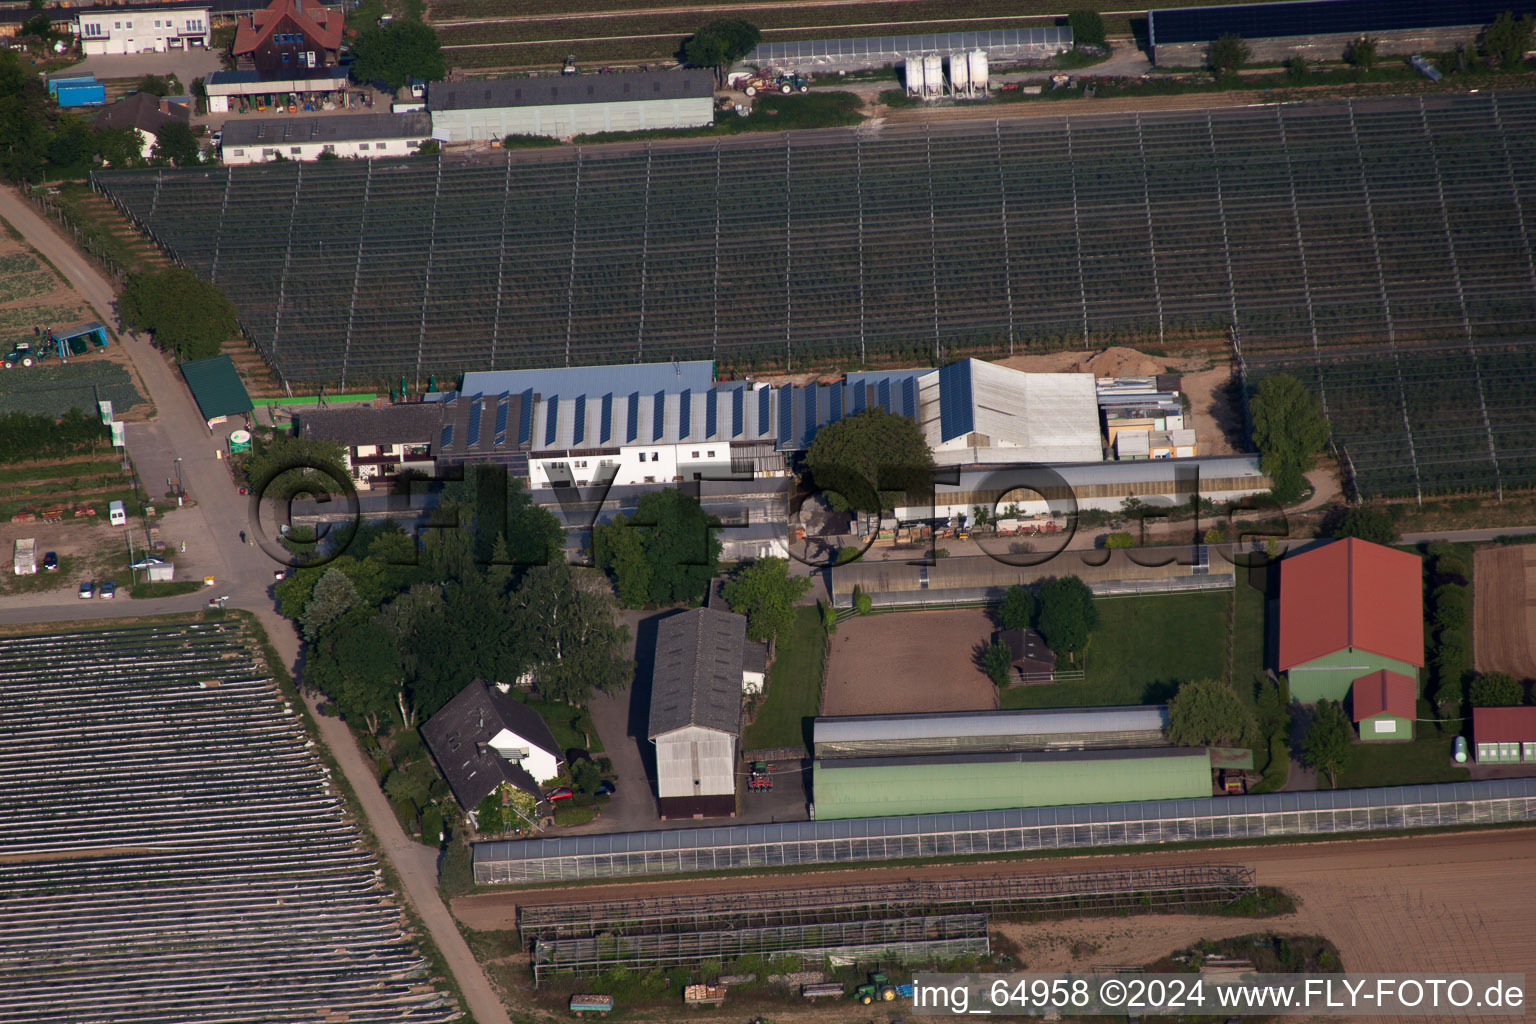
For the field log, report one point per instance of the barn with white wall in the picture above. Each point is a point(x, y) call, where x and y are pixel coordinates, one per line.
point(483, 110)
point(696, 690)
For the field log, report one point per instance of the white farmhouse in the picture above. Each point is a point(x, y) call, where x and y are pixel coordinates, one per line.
point(484, 737)
point(696, 688)
point(142, 30)
point(310, 138)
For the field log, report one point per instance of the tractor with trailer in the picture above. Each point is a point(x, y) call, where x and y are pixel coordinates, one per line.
point(879, 987)
point(703, 995)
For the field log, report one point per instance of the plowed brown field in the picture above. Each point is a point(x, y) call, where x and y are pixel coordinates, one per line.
point(1504, 610)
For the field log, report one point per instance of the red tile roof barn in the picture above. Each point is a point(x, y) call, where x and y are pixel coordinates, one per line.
point(1504, 725)
point(1351, 593)
point(318, 22)
point(1384, 692)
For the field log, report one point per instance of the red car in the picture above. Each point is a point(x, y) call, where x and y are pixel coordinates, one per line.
point(559, 793)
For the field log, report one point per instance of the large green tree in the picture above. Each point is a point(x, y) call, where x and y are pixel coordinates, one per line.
point(1325, 747)
point(1367, 523)
point(997, 662)
point(1087, 28)
point(1496, 690)
point(1290, 430)
point(1228, 54)
point(175, 144)
point(26, 115)
point(873, 453)
point(334, 595)
point(720, 44)
point(1067, 615)
point(677, 541)
point(1507, 40)
point(766, 592)
point(1209, 713)
point(189, 318)
point(1018, 608)
point(564, 618)
point(396, 51)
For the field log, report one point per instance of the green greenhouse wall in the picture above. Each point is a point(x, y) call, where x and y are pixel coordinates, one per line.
point(1375, 729)
point(1330, 676)
point(880, 790)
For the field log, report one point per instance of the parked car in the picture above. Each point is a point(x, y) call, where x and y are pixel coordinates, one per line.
point(606, 786)
point(51, 561)
point(147, 561)
point(559, 793)
point(109, 589)
point(87, 590)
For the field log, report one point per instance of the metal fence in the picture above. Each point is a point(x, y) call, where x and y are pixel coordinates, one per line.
point(989, 832)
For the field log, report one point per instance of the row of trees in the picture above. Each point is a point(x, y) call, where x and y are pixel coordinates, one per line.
point(395, 629)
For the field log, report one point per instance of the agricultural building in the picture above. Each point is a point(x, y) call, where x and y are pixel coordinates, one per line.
point(1032, 659)
point(878, 51)
point(870, 787)
point(377, 441)
point(1318, 29)
point(142, 30)
point(483, 110)
point(483, 738)
point(217, 388)
point(1504, 735)
point(300, 89)
point(1348, 609)
point(1037, 417)
point(289, 36)
point(962, 732)
point(356, 135)
point(1383, 705)
point(696, 688)
point(145, 114)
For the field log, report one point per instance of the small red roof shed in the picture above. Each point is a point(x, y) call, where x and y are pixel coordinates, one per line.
point(1351, 594)
point(1504, 725)
point(1383, 692)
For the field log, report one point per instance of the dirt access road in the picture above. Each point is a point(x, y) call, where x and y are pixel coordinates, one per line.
point(1504, 610)
point(1418, 904)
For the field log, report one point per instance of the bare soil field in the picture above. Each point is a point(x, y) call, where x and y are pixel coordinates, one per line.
point(1504, 610)
point(908, 662)
point(1416, 904)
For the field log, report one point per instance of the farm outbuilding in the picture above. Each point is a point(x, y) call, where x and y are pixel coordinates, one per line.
point(1348, 609)
point(867, 736)
point(870, 787)
point(491, 109)
point(1383, 705)
point(217, 388)
point(1032, 659)
point(1504, 735)
point(696, 689)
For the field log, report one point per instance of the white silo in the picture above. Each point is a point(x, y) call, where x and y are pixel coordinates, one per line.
point(914, 76)
point(959, 74)
point(978, 62)
point(933, 76)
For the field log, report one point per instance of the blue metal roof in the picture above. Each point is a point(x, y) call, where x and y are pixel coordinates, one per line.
point(1025, 817)
point(525, 419)
point(579, 427)
point(956, 413)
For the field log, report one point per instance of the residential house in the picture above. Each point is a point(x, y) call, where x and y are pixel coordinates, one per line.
point(145, 114)
point(129, 29)
point(290, 35)
point(377, 441)
point(483, 738)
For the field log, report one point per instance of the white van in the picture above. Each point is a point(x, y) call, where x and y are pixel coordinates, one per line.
point(116, 514)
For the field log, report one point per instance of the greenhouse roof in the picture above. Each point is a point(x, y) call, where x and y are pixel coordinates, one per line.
point(1065, 722)
point(1023, 817)
point(696, 374)
point(216, 387)
point(952, 758)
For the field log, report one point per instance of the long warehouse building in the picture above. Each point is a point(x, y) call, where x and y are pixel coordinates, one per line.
point(991, 731)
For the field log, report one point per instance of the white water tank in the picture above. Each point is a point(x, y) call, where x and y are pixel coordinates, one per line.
point(933, 75)
point(978, 62)
point(959, 74)
point(914, 74)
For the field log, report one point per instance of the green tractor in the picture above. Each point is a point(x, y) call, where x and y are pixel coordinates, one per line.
point(879, 987)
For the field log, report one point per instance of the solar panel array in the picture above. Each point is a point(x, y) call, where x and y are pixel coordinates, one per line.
point(1318, 17)
point(171, 849)
point(1385, 223)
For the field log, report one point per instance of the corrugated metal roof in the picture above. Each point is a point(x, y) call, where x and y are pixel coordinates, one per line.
point(1504, 725)
point(697, 675)
point(216, 387)
point(1019, 817)
point(1065, 722)
point(632, 86)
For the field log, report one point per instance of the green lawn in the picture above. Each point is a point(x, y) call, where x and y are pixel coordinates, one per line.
point(1426, 759)
point(1143, 649)
point(794, 686)
point(572, 726)
point(1248, 634)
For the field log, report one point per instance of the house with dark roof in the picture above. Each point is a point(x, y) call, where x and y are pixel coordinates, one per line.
point(483, 738)
point(143, 113)
point(1348, 609)
point(378, 441)
point(1504, 735)
point(1383, 705)
point(290, 35)
point(1032, 659)
point(482, 109)
point(696, 688)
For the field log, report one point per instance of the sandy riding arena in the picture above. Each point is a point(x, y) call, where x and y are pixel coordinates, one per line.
point(907, 662)
point(1504, 610)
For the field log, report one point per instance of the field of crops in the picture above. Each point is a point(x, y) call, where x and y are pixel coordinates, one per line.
point(53, 390)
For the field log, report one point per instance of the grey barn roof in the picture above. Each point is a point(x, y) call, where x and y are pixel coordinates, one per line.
point(410, 423)
point(457, 736)
point(1065, 723)
point(697, 675)
point(352, 128)
point(568, 89)
point(1009, 757)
